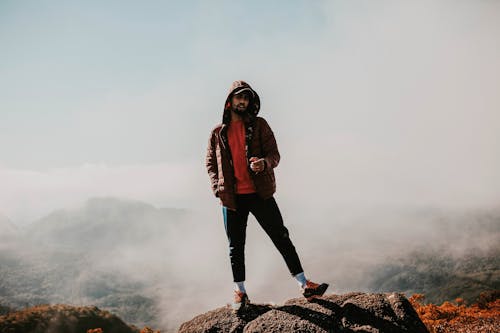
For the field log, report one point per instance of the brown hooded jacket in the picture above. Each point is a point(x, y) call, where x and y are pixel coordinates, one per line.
point(260, 142)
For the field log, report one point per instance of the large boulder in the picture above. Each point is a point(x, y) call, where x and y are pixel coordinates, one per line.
point(351, 312)
point(62, 318)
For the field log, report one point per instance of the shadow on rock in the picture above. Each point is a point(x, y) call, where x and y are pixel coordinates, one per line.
point(351, 312)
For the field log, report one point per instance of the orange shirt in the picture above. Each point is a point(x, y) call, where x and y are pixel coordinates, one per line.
point(236, 138)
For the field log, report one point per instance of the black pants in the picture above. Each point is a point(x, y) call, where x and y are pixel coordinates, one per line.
point(269, 217)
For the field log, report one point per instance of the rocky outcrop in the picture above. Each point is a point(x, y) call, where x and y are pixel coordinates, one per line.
point(351, 312)
point(62, 318)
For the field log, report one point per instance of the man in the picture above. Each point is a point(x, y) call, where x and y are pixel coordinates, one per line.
point(241, 156)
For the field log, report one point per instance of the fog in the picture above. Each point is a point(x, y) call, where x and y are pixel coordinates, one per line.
point(386, 115)
point(110, 250)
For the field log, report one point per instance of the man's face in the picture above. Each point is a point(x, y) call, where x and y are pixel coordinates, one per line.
point(240, 102)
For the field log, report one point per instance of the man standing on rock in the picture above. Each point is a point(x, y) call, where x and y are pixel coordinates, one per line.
point(241, 155)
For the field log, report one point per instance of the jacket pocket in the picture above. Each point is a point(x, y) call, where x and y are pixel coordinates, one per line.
point(269, 175)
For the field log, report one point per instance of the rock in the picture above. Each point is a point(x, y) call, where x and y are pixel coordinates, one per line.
point(351, 312)
point(63, 318)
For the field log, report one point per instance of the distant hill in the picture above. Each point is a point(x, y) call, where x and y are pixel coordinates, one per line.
point(78, 256)
point(7, 229)
point(462, 260)
point(439, 275)
point(104, 223)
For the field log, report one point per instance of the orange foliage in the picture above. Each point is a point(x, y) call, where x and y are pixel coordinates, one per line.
point(147, 329)
point(448, 316)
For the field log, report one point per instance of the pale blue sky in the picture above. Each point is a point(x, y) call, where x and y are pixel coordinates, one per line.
point(62, 57)
point(387, 101)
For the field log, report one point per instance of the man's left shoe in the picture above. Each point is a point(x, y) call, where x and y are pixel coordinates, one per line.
point(311, 289)
point(240, 301)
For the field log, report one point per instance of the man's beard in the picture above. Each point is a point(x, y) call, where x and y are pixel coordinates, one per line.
point(240, 111)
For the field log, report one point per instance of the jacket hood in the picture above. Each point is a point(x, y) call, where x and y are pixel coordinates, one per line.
point(253, 107)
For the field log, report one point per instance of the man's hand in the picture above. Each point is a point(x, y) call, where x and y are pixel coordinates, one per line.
point(257, 164)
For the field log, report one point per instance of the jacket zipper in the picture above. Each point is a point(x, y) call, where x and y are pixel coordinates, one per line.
point(228, 149)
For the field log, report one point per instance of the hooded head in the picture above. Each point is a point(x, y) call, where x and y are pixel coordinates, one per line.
point(253, 106)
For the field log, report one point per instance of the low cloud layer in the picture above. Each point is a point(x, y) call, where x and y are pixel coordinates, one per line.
point(28, 195)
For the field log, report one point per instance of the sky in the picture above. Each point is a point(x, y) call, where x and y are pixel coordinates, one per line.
point(373, 103)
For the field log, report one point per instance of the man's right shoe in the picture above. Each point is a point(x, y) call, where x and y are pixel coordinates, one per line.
point(311, 289)
point(240, 300)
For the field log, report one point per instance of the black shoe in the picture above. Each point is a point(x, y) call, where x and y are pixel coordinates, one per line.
point(240, 300)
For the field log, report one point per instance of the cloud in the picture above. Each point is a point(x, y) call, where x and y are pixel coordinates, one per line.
point(27, 195)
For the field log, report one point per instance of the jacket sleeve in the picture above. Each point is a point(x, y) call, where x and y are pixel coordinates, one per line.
point(211, 163)
point(269, 146)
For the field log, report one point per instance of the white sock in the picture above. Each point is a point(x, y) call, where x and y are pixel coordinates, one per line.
point(301, 279)
point(241, 286)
